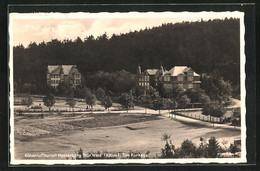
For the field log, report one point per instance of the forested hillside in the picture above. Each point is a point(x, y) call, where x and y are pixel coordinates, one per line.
point(206, 46)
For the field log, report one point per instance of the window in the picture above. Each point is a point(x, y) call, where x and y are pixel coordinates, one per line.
point(140, 84)
point(180, 85)
point(180, 78)
point(140, 79)
point(168, 86)
point(166, 78)
point(190, 78)
point(190, 85)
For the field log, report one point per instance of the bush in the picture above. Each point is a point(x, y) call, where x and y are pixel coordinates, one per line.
point(187, 150)
point(226, 120)
point(36, 107)
point(233, 149)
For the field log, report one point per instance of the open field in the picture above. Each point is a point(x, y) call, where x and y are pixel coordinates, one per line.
point(27, 128)
point(110, 133)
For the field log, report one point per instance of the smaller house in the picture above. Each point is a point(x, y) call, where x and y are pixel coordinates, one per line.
point(68, 74)
point(182, 76)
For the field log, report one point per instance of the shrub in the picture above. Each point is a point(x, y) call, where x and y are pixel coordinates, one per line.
point(233, 149)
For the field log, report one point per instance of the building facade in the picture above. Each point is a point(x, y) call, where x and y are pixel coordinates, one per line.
point(182, 76)
point(68, 74)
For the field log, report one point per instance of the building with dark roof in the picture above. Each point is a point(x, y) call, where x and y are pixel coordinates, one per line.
point(182, 76)
point(68, 74)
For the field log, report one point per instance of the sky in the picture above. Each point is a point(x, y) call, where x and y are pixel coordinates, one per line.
point(38, 27)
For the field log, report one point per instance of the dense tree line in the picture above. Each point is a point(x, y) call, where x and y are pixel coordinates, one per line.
point(205, 46)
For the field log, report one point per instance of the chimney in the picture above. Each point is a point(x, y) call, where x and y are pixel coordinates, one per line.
point(139, 70)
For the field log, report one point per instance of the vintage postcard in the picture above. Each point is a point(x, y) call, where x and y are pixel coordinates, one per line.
point(136, 87)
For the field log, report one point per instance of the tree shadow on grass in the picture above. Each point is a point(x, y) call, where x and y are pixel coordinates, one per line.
point(193, 125)
point(131, 128)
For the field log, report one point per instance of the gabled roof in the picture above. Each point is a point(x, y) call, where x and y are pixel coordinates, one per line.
point(177, 70)
point(56, 69)
point(66, 69)
point(51, 68)
point(151, 71)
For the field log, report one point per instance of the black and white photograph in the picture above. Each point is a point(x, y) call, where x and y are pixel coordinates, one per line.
point(127, 87)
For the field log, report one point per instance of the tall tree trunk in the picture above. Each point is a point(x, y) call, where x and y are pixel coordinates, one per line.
point(49, 110)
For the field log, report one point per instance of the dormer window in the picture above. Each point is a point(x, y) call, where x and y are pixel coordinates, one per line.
point(166, 78)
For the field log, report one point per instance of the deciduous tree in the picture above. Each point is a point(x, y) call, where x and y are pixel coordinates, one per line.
point(158, 102)
point(214, 108)
point(126, 100)
point(107, 103)
point(100, 94)
point(91, 100)
point(183, 101)
point(145, 100)
point(49, 101)
point(28, 101)
point(216, 88)
point(62, 89)
point(71, 101)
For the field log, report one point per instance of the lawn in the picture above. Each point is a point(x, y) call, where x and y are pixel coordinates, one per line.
point(106, 133)
point(29, 126)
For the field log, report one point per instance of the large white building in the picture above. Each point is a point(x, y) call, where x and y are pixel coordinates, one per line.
point(182, 76)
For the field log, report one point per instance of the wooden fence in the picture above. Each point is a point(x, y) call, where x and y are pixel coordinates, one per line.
point(201, 117)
